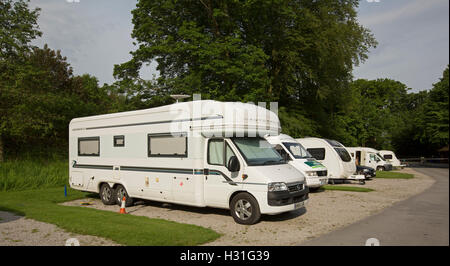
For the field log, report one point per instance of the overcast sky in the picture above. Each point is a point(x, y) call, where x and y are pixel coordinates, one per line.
point(413, 37)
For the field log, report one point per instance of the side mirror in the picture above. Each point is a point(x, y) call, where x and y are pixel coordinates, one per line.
point(233, 164)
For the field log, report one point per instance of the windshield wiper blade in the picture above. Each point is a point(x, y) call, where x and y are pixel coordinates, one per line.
point(272, 162)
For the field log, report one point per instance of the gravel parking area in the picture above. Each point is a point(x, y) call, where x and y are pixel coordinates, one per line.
point(20, 231)
point(325, 212)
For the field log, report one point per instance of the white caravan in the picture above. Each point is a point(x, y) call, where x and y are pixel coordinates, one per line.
point(301, 159)
point(369, 157)
point(390, 157)
point(334, 156)
point(200, 153)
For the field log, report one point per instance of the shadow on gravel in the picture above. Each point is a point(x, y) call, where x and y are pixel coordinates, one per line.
point(208, 210)
point(6, 217)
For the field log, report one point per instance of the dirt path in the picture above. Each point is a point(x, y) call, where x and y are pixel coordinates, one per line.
point(326, 211)
point(20, 231)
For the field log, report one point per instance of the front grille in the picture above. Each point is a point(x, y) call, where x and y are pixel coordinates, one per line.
point(295, 187)
point(322, 173)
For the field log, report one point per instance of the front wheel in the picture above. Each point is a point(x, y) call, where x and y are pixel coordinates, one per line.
point(120, 193)
point(245, 209)
point(380, 168)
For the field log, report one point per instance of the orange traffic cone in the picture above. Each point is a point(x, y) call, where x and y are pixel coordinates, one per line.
point(122, 207)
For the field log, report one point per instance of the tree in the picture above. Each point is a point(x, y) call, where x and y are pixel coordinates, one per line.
point(293, 52)
point(18, 26)
point(433, 119)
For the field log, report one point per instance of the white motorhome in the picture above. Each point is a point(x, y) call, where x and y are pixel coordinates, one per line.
point(301, 159)
point(334, 156)
point(200, 153)
point(390, 157)
point(369, 157)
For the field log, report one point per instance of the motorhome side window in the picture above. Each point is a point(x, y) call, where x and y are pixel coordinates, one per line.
point(388, 156)
point(219, 152)
point(119, 141)
point(89, 146)
point(318, 153)
point(167, 145)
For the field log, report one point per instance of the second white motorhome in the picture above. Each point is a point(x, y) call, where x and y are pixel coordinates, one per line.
point(200, 153)
point(369, 157)
point(334, 156)
point(390, 157)
point(301, 159)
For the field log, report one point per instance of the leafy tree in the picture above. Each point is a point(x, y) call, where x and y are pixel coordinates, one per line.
point(287, 51)
point(18, 26)
point(433, 118)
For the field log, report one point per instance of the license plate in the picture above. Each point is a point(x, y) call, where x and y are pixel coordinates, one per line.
point(299, 205)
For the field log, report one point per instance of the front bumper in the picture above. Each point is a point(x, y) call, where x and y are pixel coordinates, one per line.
point(282, 198)
point(316, 181)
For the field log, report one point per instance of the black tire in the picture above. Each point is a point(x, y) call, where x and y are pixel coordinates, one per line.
point(380, 168)
point(107, 194)
point(120, 192)
point(313, 189)
point(244, 209)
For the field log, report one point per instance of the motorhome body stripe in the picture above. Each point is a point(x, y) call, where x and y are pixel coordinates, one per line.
point(151, 123)
point(158, 170)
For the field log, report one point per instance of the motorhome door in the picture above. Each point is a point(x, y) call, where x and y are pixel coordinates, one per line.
point(219, 180)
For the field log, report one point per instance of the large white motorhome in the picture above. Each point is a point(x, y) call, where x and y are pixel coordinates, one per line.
point(390, 157)
point(369, 157)
point(199, 153)
point(301, 159)
point(334, 156)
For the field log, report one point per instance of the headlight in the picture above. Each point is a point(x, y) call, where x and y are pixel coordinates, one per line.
point(278, 186)
point(311, 173)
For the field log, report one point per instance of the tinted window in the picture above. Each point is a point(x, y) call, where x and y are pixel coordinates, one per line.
point(334, 143)
point(317, 153)
point(119, 141)
point(387, 156)
point(343, 153)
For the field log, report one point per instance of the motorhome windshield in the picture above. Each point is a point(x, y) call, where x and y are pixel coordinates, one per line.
point(257, 151)
point(297, 150)
point(343, 153)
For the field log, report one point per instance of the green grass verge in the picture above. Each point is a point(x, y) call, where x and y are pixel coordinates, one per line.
point(18, 175)
point(347, 188)
point(42, 205)
point(393, 175)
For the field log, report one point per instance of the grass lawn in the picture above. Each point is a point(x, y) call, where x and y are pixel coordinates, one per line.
point(347, 188)
point(393, 175)
point(42, 205)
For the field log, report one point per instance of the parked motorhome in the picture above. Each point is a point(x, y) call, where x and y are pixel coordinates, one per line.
point(369, 157)
point(334, 156)
point(200, 153)
point(301, 159)
point(390, 157)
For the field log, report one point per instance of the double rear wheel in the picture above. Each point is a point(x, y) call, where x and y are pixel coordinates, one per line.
point(114, 195)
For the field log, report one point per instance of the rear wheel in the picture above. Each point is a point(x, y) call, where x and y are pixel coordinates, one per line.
point(120, 193)
point(107, 195)
point(245, 209)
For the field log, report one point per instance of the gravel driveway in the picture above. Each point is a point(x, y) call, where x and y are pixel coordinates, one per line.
point(326, 211)
point(20, 231)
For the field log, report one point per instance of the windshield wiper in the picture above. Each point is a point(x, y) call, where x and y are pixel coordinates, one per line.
point(272, 162)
